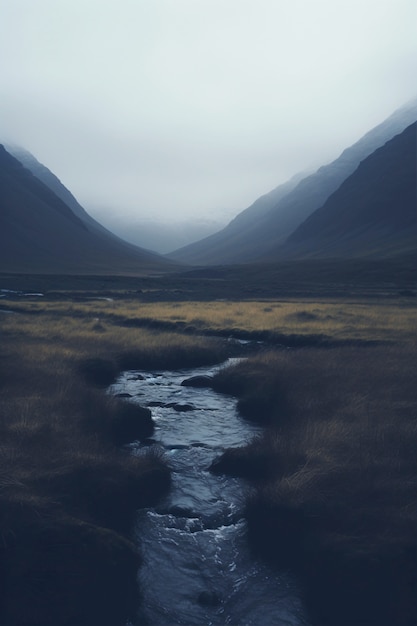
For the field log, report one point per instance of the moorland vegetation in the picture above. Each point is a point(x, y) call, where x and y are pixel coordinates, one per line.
point(68, 490)
point(327, 320)
point(334, 475)
point(333, 478)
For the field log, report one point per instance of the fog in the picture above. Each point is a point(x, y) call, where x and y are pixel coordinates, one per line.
point(191, 109)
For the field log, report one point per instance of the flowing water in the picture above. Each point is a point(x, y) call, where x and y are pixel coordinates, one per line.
point(197, 569)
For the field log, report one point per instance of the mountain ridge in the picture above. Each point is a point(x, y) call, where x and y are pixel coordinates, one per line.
point(40, 233)
point(373, 208)
point(265, 235)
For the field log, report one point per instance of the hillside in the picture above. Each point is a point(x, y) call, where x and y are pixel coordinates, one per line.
point(50, 180)
point(39, 232)
point(374, 211)
point(224, 246)
point(260, 234)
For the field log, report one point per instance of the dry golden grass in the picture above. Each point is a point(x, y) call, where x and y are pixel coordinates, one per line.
point(56, 340)
point(45, 406)
point(371, 320)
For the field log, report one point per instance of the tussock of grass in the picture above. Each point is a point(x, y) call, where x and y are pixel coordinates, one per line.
point(258, 462)
point(260, 397)
point(337, 476)
point(130, 423)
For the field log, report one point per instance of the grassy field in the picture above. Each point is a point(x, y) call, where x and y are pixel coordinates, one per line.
point(335, 319)
point(334, 476)
point(69, 492)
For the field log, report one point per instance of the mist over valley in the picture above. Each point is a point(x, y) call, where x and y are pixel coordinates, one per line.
point(208, 305)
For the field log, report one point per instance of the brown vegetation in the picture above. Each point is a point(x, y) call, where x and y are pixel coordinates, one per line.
point(336, 475)
point(335, 319)
point(68, 492)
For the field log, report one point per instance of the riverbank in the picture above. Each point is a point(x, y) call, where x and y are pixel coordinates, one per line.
point(335, 475)
point(69, 492)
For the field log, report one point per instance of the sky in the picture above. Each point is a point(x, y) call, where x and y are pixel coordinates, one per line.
point(183, 109)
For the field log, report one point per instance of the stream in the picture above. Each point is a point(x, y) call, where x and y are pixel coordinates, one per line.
point(198, 570)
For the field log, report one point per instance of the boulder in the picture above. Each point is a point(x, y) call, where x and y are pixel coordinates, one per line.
point(181, 408)
point(198, 381)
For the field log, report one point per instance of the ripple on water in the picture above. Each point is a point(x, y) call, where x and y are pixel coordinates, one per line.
point(197, 567)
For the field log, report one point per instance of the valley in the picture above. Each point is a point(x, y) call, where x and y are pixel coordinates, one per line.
point(286, 472)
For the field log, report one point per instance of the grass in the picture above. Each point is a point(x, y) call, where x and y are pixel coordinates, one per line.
point(68, 492)
point(336, 319)
point(335, 475)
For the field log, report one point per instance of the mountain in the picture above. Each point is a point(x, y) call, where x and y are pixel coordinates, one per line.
point(151, 234)
point(260, 235)
point(374, 211)
point(39, 232)
point(230, 244)
point(50, 180)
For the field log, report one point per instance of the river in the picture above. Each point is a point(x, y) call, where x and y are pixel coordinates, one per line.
point(198, 570)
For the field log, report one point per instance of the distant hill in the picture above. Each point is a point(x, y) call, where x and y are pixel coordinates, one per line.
point(261, 234)
point(374, 211)
point(40, 232)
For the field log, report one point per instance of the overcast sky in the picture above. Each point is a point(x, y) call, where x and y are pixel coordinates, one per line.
point(181, 108)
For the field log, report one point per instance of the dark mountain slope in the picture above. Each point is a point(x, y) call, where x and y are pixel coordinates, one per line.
point(264, 204)
point(50, 180)
point(266, 232)
point(374, 211)
point(224, 244)
point(40, 233)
